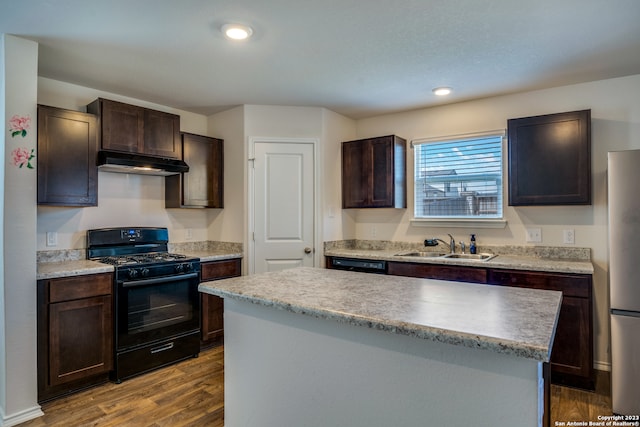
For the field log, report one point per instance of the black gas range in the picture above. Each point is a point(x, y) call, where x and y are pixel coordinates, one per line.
point(157, 303)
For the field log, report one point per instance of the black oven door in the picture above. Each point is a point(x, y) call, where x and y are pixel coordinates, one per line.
point(154, 309)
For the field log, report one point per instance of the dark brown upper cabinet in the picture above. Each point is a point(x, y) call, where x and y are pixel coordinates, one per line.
point(132, 129)
point(374, 173)
point(550, 159)
point(203, 185)
point(67, 146)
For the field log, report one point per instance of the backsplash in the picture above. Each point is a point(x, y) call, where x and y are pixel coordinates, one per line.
point(208, 245)
point(554, 252)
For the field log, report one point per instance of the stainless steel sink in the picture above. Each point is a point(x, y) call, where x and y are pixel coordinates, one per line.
point(423, 254)
point(476, 257)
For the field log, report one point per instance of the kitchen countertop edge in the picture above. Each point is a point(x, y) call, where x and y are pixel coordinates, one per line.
point(500, 261)
point(52, 270)
point(513, 347)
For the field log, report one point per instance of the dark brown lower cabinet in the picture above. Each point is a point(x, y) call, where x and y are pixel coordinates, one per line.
point(572, 353)
point(75, 333)
point(212, 324)
point(441, 272)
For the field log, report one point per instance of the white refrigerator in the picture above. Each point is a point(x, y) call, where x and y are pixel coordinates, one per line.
point(624, 279)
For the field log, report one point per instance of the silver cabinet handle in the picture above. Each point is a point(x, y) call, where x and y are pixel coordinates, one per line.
point(307, 250)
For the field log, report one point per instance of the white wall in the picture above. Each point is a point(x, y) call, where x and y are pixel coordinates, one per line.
point(337, 223)
point(18, 380)
point(229, 225)
point(615, 112)
point(123, 199)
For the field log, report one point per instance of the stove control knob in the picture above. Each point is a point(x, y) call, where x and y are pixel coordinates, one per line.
point(144, 272)
point(133, 273)
point(188, 266)
point(179, 268)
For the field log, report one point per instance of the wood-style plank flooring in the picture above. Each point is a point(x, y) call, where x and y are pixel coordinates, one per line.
point(191, 393)
point(572, 404)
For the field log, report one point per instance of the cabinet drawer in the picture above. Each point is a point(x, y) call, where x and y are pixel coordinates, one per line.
point(220, 269)
point(441, 272)
point(71, 288)
point(568, 284)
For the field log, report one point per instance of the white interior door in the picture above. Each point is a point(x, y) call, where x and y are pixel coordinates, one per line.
point(284, 198)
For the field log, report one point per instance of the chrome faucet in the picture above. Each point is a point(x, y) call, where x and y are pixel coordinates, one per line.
point(452, 243)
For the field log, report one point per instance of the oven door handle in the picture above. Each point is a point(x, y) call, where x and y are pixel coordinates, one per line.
point(155, 281)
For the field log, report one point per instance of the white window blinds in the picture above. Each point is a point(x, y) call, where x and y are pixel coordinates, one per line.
point(459, 177)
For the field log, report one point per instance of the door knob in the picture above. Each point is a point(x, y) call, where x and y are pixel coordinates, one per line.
point(307, 250)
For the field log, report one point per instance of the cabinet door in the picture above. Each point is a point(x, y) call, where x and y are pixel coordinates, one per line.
point(122, 126)
point(67, 146)
point(374, 173)
point(161, 134)
point(80, 339)
point(550, 159)
point(354, 180)
point(212, 318)
point(380, 177)
point(212, 305)
point(203, 184)
point(572, 350)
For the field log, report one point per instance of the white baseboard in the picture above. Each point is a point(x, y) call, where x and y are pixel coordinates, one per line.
point(20, 417)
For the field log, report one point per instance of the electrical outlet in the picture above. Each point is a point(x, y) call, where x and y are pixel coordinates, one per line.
point(188, 234)
point(373, 231)
point(534, 235)
point(52, 238)
point(569, 237)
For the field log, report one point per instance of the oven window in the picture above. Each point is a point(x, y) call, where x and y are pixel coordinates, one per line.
point(151, 312)
point(159, 306)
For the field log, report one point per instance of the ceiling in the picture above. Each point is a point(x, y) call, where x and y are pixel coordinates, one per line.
point(360, 58)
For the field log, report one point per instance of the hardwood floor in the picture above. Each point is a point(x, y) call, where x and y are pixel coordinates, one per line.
point(572, 404)
point(191, 393)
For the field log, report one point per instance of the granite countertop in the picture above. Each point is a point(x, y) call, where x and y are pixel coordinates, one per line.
point(506, 320)
point(514, 262)
point(63, 266)
point(52, 270)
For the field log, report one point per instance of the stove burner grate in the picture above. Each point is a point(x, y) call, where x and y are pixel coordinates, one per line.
point(149, 258)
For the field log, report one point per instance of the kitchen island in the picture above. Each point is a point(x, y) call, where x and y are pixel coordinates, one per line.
point(317, 347)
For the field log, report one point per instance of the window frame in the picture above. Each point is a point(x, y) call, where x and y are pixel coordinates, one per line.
point(461, 221)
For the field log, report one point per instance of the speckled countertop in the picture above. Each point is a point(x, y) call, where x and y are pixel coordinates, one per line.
point(507, 320)
point(549, 259)
point(64, 263)
point(51, 270)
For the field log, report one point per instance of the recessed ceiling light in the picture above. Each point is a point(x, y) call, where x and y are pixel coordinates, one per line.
point(236, 31)
point(442, 91)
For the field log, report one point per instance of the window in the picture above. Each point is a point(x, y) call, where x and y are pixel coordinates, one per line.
point(459, 178)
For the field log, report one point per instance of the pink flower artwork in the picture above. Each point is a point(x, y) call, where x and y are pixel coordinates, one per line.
point(22, 157)
point(18, 125)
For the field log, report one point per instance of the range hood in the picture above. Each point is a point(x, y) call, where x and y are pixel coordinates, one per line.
point(115, 161)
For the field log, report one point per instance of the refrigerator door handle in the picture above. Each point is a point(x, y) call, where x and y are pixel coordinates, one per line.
point(617, 312)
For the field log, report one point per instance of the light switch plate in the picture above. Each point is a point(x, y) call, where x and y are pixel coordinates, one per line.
point(52, 238)
point(534, 235)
